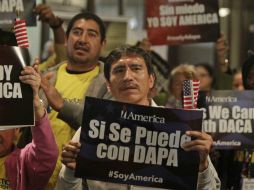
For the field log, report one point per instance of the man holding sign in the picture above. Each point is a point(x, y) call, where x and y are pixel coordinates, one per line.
point(130, 78)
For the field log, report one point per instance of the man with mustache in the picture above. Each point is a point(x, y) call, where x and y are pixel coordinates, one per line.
point(81, 75)
point(130, 78)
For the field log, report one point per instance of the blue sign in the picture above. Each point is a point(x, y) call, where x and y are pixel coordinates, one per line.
point(138, 145)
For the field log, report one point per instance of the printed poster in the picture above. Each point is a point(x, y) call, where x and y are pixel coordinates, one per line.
point(138, 145)
point(16, 98)
point(9, 9)
point(229, 118)
point(173, 22)
point(248, 183)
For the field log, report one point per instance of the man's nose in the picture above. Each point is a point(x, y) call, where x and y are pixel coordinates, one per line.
point(84, 37)
point(128, 74)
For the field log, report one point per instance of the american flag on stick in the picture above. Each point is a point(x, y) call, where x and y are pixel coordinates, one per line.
point(21, 33)
point(190, 94)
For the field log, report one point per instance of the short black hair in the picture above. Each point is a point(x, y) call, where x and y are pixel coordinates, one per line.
point(117, 53)
point(209, 69)
point(87, 16)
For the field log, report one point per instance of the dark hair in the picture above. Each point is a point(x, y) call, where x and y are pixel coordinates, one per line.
point(87, 16)
point(209, 69)
point(247, 65)
point(127, 50)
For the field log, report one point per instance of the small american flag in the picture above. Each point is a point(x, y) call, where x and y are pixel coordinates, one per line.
point(190, 94)
point(21, 33)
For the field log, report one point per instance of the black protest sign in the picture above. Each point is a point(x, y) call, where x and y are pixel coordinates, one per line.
point(11, 9)
point(138, 145)
point(229, 117)
point(16, 98)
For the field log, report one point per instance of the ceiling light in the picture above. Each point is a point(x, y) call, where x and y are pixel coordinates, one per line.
point(223, 12)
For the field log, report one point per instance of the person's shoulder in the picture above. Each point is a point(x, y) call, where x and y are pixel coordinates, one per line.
point(101, 65)
point(153, 104)
point(14, 154)
point(100, 75)
point(56, 67)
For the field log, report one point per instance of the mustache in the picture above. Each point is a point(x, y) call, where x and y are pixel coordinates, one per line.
point(126, 85)
point(82, 46)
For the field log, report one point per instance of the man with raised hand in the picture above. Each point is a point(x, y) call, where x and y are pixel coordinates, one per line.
point(81, 75)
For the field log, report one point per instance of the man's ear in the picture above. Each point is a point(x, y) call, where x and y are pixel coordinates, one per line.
point(65, 43)
point(103, 43)
point(108, 85)
point(152, 79)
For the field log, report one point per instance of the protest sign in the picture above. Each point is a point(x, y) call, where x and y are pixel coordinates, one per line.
point(229, 117)
point(182, 21)
point(247, 183)
point(138, 145)
point(11, 9)
point(7, 38)
point(16, 98)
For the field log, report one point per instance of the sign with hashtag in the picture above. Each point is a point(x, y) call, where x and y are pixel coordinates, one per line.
point(182, 22)
point(248, 184)
point(138, 145)
point(229, 117)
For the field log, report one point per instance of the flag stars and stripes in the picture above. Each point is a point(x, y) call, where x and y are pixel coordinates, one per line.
point(190, 94)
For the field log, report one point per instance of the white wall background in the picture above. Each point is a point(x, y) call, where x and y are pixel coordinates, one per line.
point(34, 37)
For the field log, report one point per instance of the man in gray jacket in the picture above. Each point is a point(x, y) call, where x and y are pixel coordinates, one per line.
point(81, 75)
point(130, 78)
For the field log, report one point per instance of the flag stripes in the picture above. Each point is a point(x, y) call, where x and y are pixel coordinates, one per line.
point(21, 33)
point(190, 94)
